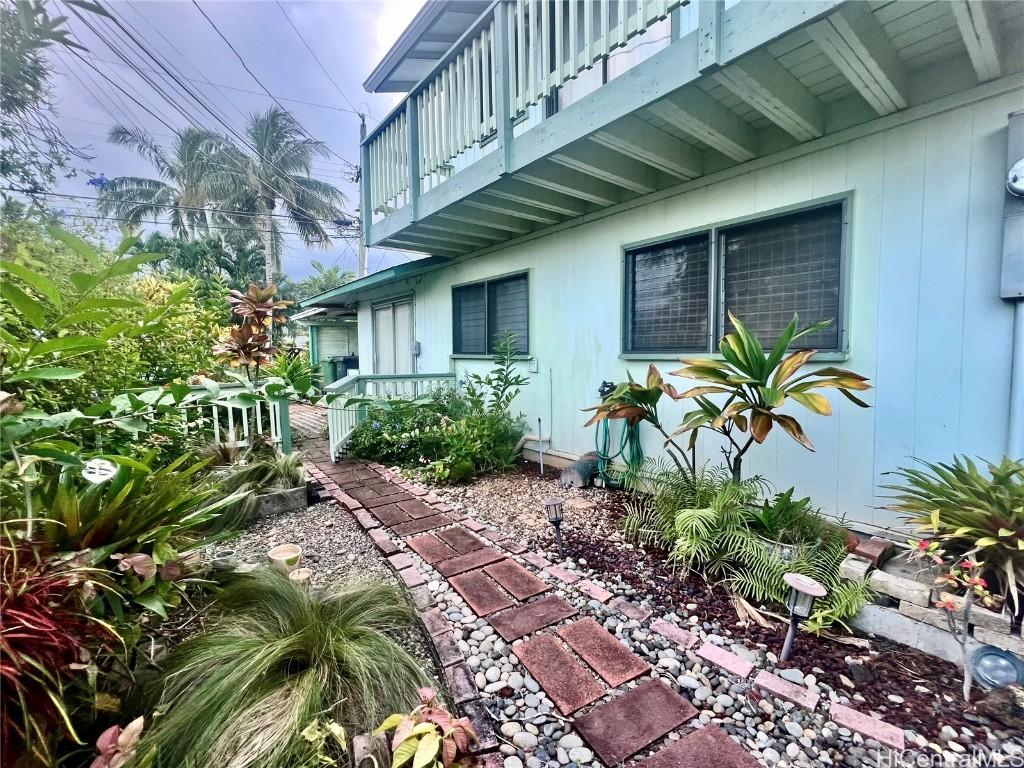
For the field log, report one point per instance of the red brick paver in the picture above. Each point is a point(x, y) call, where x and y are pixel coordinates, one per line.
point(390, 515)
point(473, 525)
point(866, 725)
point(481, 593)
point(435, 622)
point(416, 508)
point(421, 525)
point(536, 560)
point(630, 610)
point(459, 539)
point(566, 682)
point(727, 660)
point(430, 548)
point(383, 541)
point(786, 690)
point(521, 621)
point(366, 520)
point(562, 574)
point(461, 683)
point(516, 580)
point(469, 561)
point(709, 746)
point(412, 577)
point(613, 661)
point(593, 591)
point(677, 635)
point(623, 726)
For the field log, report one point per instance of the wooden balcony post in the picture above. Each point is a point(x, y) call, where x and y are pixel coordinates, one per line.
point(709, 20)
point(502, 91)
point(412, 125)
point(365, 199)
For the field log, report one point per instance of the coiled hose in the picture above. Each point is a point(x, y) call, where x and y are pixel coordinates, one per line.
point(630, 450)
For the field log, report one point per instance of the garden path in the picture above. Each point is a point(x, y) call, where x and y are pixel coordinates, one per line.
point(609, 694)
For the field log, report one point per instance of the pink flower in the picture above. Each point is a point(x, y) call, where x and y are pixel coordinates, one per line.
point(947, 605)
point(968, 564)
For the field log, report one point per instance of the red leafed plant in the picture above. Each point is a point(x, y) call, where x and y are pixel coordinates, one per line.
point(258, 305)
point(46, 635)
point(250, 343)
point(429, 735)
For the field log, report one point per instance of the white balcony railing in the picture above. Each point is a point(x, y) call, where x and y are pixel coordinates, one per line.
point(510, 60)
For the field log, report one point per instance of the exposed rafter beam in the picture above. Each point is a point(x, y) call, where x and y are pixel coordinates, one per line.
point(608, 165)
point(633, 137)
point(978, 28)
point(768, 87)
point(453, 226)
point(513, 210)
point(694, 112)
point(409, 242)
point(571, 182)
point(528, 194)
point(450, 240)
point(491, 219)
point(856, 43)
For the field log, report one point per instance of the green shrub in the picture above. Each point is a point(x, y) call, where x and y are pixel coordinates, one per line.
point(971, 513)
point(276, 660)
point(712, 525)
point(405, 437)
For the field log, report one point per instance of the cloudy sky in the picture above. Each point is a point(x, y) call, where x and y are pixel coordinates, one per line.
point(348, 36)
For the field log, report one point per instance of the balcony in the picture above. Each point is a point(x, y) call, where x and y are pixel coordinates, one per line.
point(526, 122)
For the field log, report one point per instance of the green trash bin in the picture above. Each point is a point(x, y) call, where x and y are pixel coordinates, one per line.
point(327, 370)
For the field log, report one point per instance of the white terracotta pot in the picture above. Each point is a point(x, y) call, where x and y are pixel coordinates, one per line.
point(301, 576)
point(285, 557)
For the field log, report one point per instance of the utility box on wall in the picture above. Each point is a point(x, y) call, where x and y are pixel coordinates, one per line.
point(1012, 282)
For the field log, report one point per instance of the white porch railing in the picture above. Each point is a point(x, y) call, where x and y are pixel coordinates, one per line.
point(514, 56)
point(341, 420)
point(239, 425)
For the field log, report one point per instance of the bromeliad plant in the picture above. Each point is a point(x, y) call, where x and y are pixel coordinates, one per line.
point(754, 383)
point(429, 736)
point(974, 514)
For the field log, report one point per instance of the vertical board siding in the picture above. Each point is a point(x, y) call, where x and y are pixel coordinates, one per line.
point(924, 319)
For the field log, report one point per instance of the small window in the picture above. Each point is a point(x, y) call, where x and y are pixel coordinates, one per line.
point(483, 312)
point(785, 265)
point(668, 296)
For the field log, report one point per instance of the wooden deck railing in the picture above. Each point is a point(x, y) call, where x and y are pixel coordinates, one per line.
point(341, 420)
point(509, 60)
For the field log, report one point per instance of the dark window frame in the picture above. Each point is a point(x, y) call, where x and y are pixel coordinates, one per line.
point(524, 347)
point(716, 280)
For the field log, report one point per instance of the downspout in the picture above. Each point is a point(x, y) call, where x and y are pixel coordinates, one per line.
point(1012, 286)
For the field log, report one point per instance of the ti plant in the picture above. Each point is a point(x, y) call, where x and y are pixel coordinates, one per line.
point(964, 576)
point(754, 383)
point(250, 344)
point(429, 736)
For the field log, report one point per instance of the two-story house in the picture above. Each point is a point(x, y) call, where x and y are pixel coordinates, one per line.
point(607, 178)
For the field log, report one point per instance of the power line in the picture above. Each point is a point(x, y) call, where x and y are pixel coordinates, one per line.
point(315, 57)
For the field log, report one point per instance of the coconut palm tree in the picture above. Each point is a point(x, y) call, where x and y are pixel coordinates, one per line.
point(277, 175)
point(191, 176)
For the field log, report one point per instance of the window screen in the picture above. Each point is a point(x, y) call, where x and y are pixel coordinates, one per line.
point(470, 318)
point(508, 310)
point(785, 265)
point(483, 311)
point(668, 296)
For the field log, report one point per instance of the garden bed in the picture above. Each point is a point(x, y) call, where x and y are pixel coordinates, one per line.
point(904, 686)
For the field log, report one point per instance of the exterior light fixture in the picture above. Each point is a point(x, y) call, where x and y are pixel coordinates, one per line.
point(803, 591)
point(553, 508)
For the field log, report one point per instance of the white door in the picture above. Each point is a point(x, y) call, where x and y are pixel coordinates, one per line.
point(392, 338)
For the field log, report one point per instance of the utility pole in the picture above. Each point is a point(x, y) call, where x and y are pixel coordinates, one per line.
point(363, 213)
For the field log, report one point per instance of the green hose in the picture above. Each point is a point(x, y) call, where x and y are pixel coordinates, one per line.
point(630, 450)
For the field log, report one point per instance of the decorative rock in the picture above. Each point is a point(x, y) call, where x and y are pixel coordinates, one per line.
point(1005, 705)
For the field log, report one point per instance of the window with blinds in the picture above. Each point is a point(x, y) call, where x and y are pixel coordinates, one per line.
point(784, 265)
point(668, 296)
point(678, 293)
point(483, 312)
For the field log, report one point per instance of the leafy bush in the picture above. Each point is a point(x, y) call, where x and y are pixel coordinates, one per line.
point(47, 630)
point(266, 472)
point(429, 736)
point(393, 434)
point(713, 525)
point(275, 660)
point(972, 513)
point(294, 368)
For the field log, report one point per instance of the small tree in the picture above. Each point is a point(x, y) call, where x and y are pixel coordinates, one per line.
point(755, 384)
point(250, 345)
point(965, 576)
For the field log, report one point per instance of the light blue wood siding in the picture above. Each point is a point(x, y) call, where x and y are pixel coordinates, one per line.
point(925, 320)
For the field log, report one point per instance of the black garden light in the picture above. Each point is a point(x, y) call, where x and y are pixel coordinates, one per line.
point(803, 591)
point(553, 507)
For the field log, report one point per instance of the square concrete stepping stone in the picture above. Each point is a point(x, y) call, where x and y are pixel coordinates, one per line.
point(481, 592)
point(865, 725)
point(613, 661)
point(469, 561)
point(727, 660)
point(566, 682)
point(421, 525)
point(417, 508)
point(708, 746)
point(391, 515)
point(786, 690)
point(516, 580)
point(521, 621)
point(459, 539)
point(430, 548)
point(623, 726)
